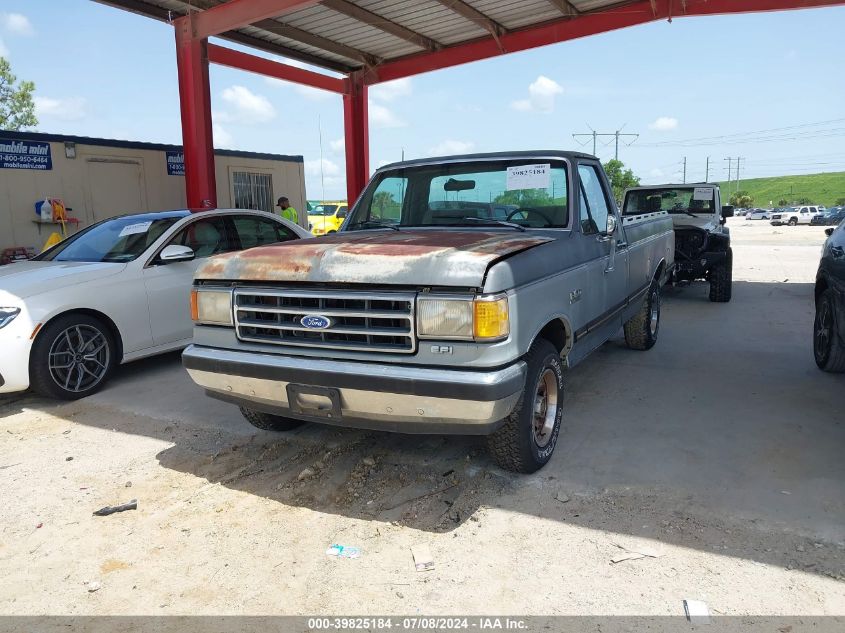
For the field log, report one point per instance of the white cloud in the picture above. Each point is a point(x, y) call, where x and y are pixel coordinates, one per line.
point(541, 96)
point(391, 90)
point(338, 145)
point(383, 117)
point(330, 168)
point(222, 137)
point(664, 124)
point(451, 146)
point(16, 23)
point(64, 109)
point(248, 107)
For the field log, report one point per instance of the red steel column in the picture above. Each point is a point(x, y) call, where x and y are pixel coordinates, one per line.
point(195, 102)
point(357, 136)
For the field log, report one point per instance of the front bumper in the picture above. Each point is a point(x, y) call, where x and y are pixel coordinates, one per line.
point(15, 346)
point(385, 397)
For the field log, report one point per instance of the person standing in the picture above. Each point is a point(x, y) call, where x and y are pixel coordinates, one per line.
point(288, 212)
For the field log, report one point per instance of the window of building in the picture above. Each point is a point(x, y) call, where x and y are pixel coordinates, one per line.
point(252, 190)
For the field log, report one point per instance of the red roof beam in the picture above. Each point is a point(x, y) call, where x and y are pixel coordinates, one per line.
point(618, 17)
point(269, 68)
point(237, 14)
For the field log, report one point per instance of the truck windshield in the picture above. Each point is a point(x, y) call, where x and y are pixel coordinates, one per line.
point(682, 200)
point(323, 209)
point(532, 194)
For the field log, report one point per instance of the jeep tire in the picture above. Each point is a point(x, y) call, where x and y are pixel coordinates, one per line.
point(268, 421)
point(721, 279)
point(527, 439)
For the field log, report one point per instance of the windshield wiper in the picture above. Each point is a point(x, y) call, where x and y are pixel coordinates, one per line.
point(375, 223)
point(512, 225)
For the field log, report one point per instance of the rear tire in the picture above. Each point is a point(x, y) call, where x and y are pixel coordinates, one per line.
point(268, 421)
point(641, 329)
point(721, 279)
point(72, 357)
point(827, 347)
point(527, 439)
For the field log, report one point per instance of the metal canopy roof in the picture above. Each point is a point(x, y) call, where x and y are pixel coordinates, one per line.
point(348, 35)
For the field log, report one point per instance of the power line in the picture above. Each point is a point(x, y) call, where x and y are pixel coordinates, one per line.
point(733, 136)
point(616, 136)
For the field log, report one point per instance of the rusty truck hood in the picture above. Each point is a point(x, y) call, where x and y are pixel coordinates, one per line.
point(406, 257)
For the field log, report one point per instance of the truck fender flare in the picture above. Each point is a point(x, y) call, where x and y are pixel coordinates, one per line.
point(552, 325)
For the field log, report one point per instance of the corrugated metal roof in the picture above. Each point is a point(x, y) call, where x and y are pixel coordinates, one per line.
point(346, 35)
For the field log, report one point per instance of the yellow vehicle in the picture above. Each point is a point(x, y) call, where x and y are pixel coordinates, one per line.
point(327, 216)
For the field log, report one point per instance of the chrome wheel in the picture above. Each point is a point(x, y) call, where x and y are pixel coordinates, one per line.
point(79, 358)
point(822, 332)
point(654, 316)
point(545, 408)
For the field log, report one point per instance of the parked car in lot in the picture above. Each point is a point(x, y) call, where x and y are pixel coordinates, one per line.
point(830, 217)
point(796, 215)
point(829, 324)
point(327, 217)
point(114, 292)
point(702, 241)
point(411, 320)
point(759, 214)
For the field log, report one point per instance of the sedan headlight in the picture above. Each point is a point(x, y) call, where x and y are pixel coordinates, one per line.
point(468, 318)
point(7, 315)
point(211, 307)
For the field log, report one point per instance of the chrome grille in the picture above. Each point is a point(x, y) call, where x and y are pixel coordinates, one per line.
point(371, 322)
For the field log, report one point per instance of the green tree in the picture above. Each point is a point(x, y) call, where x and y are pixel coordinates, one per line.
point(17, 108)
point(805, 200)
point(620, 178)
point(840, 202)
point(783, 202)
point(741, 199)
point(525, 198)
point(385, 205)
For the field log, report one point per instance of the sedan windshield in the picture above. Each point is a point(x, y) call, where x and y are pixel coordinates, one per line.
point(117, 240)
point(532, 195)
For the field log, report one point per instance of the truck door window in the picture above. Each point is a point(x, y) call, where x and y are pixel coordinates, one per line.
point(594, 207)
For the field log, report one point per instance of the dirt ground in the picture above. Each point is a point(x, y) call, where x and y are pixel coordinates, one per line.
point(718, 454)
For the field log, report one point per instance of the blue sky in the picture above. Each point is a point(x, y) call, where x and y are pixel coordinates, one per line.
point(107, 73)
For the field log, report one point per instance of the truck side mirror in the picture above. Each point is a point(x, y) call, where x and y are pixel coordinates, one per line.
point(611, 225)
point(727, 211)
point(829, 231)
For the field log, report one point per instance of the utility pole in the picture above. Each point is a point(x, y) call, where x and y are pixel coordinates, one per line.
point(707, 171)
point(616, 135)
point(729, 159)
point(738, 158)
point(685, 169)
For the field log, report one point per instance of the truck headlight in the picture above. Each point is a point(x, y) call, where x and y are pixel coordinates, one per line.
point(211, 307)
point(7, 315)
point(464, 318)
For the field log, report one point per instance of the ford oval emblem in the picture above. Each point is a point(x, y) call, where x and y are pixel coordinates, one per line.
point(315, 322)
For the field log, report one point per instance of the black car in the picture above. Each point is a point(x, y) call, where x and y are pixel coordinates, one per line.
point(831, 217)
point(829, 325)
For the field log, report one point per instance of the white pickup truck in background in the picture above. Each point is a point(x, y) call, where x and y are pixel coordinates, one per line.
point(796, 215)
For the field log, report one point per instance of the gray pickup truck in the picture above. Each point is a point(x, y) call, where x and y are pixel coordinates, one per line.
point(450, 301)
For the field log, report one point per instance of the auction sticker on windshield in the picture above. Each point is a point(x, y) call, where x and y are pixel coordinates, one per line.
point(528, 177)
point(702, 193)
point(132, 229)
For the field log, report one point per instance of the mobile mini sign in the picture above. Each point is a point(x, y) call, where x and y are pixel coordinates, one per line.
point(175, 163)
point(25, 155)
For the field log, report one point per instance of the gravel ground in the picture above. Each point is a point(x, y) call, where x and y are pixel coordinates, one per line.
point(716, 456)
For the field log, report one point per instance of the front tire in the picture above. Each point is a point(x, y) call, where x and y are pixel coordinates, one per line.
point(792, 221)
point(721, 279)
point(827, 348)
point(73, 357)
point(641, 329)
point(269, 422)
point(527, 439)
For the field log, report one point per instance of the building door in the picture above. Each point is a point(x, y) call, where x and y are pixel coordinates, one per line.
point(117, 187)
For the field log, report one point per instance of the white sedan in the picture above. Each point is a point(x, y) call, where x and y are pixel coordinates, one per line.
point(114, 292)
